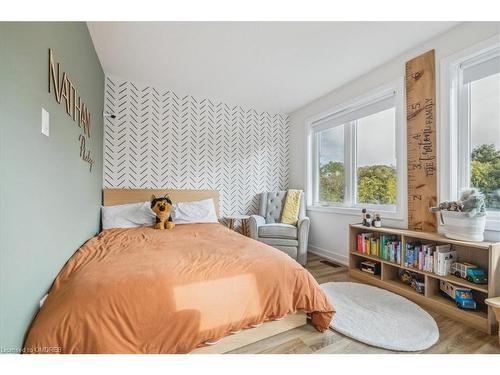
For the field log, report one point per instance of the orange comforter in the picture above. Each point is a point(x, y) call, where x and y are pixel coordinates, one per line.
point(150, 291)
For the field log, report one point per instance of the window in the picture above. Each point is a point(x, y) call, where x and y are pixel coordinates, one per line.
point(484, 123)
point(472, 138)
point(375, 165)
point(353, 155)
point(331, 165)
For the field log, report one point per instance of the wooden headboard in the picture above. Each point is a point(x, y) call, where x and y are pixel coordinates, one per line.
point(111, 197)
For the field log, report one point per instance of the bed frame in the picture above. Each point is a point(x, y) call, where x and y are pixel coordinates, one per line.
point(112, 197)
point(250, 336)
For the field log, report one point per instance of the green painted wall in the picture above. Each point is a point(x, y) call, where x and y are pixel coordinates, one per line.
point(49, 201)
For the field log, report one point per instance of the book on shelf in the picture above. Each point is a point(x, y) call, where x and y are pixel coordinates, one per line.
point(385, 247)
point(419, 256)
point(390, 248)
point(364, 243)
point(429, 257)
point(444, 256)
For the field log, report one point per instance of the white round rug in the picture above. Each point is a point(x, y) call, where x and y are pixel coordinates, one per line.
point(380, 318)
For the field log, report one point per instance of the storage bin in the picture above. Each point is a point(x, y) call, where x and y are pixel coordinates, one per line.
point(458, 226)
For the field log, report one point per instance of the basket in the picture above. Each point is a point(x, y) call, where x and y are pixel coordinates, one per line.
point(458, 226)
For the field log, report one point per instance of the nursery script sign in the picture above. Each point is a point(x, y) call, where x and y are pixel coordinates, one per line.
point(421, 140)
point(66, 93)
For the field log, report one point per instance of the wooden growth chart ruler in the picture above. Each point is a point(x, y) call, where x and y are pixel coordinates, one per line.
point(421, 140)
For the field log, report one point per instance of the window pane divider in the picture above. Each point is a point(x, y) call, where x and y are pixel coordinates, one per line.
point(351, 161)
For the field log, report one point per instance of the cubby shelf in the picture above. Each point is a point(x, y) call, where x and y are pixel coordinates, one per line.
point(442, 300)
point(485, 254)
point(361, 274)
point(355, 253)
point(483, 288)
point(452, 279)
point(402, 286)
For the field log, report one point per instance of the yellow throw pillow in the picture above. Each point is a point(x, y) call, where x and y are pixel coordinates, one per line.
point(290, 214)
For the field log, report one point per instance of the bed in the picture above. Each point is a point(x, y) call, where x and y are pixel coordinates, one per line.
point(197, 288)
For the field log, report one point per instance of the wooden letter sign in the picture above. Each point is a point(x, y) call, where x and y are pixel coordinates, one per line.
point(64, 90)
point(421, 139)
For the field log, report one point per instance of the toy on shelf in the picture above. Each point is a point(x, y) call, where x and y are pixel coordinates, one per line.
point(462, 296)
point(377, 220)
point(366, 218)
point(412, 279)
point(470, 272)
point(419, 286)
point(370, 267)
point(471, 202)
point(404, 276)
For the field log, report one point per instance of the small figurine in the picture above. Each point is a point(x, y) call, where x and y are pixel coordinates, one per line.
point(470, 272)
point(377, 221)
point(462, 296)
point(366, 218)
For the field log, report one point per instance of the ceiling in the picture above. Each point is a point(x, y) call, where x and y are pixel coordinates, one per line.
point(272, 66)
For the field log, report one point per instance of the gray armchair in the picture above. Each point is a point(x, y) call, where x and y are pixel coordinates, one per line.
point(266, 226)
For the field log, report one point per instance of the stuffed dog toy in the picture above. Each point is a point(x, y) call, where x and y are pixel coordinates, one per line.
point(162, 207)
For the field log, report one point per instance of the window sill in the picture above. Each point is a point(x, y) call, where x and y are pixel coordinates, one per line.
point(493, 223)
point(356, 211)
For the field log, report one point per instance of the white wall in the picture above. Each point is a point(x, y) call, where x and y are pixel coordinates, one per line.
point(329, 232)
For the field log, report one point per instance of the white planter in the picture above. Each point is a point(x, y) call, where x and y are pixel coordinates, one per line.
point(458, 226)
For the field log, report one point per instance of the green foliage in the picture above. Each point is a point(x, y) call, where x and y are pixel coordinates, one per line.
point(376, 183)
point(485, 154)
point(332, 182)
point(485, 173)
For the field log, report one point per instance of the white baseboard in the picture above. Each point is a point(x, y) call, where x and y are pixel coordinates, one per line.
point(330, 255)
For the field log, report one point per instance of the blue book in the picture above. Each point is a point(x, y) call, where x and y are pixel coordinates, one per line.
point(410, 256)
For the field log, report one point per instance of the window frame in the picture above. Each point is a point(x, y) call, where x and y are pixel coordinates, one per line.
point(455, 137)
point(349, 206)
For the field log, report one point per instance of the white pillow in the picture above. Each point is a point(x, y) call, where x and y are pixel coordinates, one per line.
point(194, 212)
point(128, 215)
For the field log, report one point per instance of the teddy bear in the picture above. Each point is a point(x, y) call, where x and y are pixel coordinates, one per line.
point(471, 202)
point(162, 207)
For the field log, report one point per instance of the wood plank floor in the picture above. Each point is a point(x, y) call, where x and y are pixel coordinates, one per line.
point(454, 337)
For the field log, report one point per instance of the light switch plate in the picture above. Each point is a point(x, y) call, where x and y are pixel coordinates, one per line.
point(45, 122)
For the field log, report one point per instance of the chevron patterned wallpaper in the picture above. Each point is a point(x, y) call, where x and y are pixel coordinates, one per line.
point(162, 140)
